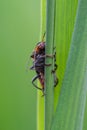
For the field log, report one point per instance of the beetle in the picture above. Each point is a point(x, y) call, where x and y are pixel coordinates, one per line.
point(38, 56)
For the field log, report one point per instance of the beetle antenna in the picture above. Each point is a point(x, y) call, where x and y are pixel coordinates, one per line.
point(43, 36)
point(27, 64)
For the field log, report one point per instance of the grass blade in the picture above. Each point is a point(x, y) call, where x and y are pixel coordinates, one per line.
point(64, 23)
point(40, 100)
point(71, 106)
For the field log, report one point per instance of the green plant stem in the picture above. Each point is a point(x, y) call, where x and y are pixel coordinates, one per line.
point(40, 100)
point(72, 100)
point(49, 81)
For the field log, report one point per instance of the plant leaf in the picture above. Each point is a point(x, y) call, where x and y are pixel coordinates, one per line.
point(64, 25)
point(71, 106)
point(40, 100)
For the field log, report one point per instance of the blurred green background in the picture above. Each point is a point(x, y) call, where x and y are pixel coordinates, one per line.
point(19, 32)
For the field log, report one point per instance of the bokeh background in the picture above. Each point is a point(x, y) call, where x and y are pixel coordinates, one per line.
point(19, 32)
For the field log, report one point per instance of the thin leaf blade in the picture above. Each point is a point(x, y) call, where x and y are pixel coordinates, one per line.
point(70, 109)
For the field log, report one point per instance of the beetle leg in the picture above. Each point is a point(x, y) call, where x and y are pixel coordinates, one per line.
point(32, 67)
point(42, 89)
point(56, 80)
point(47, 55)
point(43, 93)
point(47, 64)
point(55, 67)
point(36, 77)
